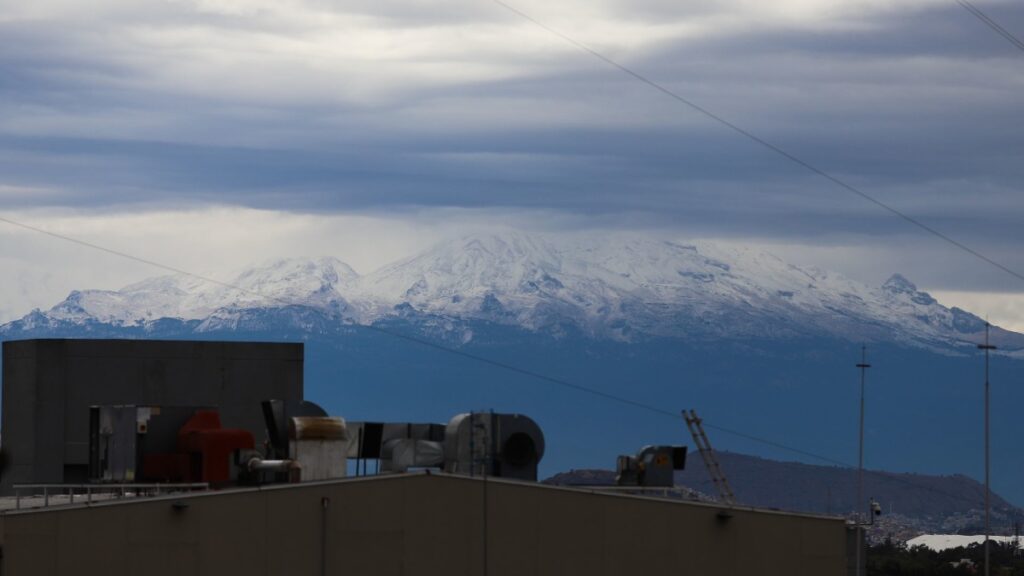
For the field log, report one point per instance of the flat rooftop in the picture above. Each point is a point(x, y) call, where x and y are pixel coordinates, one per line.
point(60, 497)
point(421, 523)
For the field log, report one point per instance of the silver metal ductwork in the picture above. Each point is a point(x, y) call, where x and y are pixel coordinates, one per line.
point(401, 454)
point(396, 447)
point(486, 443)
point(477, 444)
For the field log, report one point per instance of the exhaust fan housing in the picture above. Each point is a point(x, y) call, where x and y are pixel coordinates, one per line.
point(485, 443)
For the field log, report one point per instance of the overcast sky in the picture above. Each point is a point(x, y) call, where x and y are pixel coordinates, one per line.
point(208, 134)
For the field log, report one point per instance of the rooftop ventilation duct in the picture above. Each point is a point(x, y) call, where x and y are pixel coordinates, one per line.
point(319, 445)
point(485, 443)
point(652, 466)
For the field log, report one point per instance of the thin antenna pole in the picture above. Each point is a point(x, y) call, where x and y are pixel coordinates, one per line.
point(491, 433)
point(863, 366)
point(988, 527)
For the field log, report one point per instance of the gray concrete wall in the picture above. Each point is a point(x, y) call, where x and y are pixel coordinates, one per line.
point(48, 386)
point(418, 525)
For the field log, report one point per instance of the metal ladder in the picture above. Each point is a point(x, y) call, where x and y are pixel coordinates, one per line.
point(710, 462)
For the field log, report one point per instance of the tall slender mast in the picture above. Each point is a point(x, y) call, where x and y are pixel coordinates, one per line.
point(860, 460)
point(988, 527)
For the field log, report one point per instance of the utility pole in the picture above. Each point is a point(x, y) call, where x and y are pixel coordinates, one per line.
point(988, 529)
point(863, 366)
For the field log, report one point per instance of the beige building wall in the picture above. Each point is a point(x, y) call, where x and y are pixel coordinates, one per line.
point(417, 524)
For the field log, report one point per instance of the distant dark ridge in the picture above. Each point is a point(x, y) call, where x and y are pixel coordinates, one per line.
point(586, 477)
point(947, 503)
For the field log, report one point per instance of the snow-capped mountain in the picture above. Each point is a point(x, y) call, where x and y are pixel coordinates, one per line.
point(607, 287)
point(626, 287)
point(754, 342)
point(302, 281)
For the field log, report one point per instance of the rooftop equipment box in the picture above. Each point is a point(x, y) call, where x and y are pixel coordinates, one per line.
point(49, 385)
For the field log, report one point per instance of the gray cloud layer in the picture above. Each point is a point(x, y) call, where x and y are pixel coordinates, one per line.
point(330, 107)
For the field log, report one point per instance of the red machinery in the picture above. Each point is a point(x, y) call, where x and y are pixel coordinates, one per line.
point(188, 444)
point(205, 452)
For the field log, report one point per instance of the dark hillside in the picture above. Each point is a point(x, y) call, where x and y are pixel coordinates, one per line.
point(912, 503)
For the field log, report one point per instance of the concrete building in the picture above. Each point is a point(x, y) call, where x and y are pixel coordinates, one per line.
point(417, 524)
point(49, 385)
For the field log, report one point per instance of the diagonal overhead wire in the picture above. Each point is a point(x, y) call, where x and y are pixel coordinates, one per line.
point(407, 337)
point(991, 24)
point(128, 256)
point(562, 382)
point(763, 143)
point(478, 358)
point(396, 334)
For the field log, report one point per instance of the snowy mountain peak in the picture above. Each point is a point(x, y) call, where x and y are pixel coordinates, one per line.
point(304, 281)
point(900, 286)
point(625, 286)
point(619, 286)
point(327, 269)
point(897, 283)
point(295, 278)
point(504, 247)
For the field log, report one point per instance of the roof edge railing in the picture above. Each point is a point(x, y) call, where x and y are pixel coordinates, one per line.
point(101, 491)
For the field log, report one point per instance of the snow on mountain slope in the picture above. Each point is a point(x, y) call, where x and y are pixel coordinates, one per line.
point(620, 287)
point(307, 282)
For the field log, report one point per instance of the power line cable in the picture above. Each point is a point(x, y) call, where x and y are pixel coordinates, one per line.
point(286, 302)
point(558, 381)
point(991, 24)
point(885, 475)
point(537, 375)
point(892, 477)
point(762, 142)
point(416, 340)
point(461, 353)
point(128, 256)
point(662, 412)
point(774, 444)
point(800, 162)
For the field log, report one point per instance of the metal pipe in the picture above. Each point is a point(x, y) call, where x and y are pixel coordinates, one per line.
point(261, 465)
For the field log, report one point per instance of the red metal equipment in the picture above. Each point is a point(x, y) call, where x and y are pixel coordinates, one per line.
point(211, 447)
point(205, 452)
